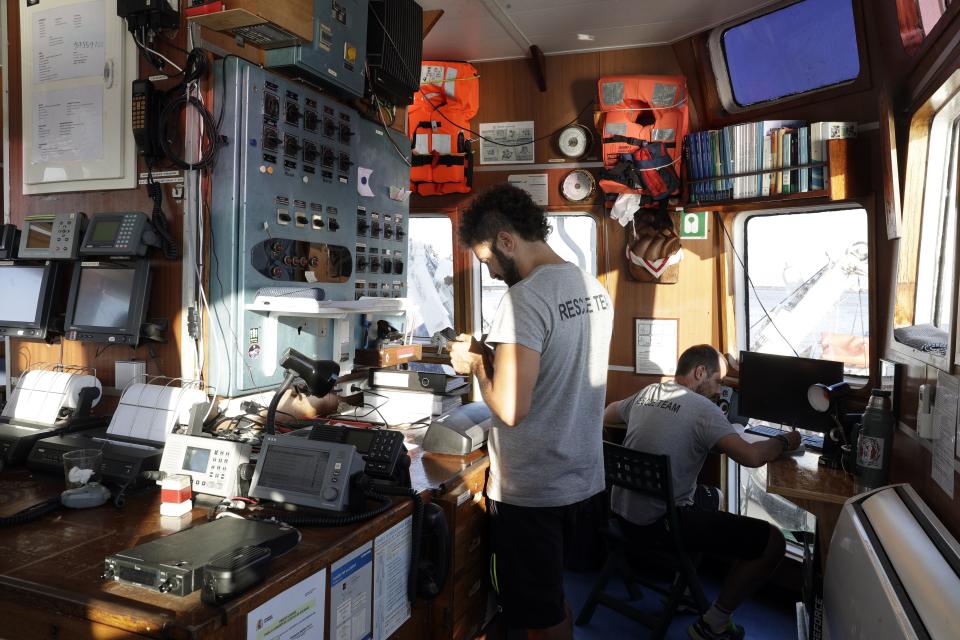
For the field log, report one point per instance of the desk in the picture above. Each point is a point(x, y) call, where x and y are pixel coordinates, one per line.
point(50, 569)
point(819, 490)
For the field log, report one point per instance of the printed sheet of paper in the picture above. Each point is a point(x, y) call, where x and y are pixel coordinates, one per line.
point(506, 142)
point(391, 566)
point(351, 601)
point(69, 42)
point(68, 125)
point(656, 346)
point(945, 431)
point(298, 612)
point(533, 183)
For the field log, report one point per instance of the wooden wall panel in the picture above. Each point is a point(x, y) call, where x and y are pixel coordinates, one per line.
point(508, 92)
point(165, 297)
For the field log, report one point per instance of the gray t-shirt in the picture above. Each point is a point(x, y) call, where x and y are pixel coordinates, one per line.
point(668, 419)
point(554, 456)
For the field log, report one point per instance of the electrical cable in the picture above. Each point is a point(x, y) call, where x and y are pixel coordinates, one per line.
point(211, 142)
point(151, 55)
point(159, 220)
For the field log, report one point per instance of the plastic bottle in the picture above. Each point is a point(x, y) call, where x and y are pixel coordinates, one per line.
point(875, 441)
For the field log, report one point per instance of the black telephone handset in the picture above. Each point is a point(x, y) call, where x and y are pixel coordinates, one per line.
point(145, 112)
point(382, 450)
point(434, 562)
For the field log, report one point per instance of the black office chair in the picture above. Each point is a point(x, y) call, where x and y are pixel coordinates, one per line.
point(650, 475)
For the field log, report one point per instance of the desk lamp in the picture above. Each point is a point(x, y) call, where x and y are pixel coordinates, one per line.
point(318, 375)
point(826, 399)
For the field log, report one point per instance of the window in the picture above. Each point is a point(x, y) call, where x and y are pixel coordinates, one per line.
point(573, 237)
point(917, 19)
point(923, 313)
point(807, 46)
point(430, 275)
point(805, 288)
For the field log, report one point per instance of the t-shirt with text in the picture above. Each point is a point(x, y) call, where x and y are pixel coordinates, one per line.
point(668, 419)
point(554, 456)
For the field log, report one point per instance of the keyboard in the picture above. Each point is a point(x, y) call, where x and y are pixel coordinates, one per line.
point(810, 441)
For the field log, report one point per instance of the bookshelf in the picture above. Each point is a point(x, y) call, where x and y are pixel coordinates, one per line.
point(842, 182)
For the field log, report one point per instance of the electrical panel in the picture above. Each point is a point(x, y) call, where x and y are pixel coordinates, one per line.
point(337, 54)
point(308, 201)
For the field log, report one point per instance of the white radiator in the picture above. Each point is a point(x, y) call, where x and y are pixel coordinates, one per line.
point(893, 571)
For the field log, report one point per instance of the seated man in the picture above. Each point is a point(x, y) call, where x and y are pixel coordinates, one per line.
point(679, 418)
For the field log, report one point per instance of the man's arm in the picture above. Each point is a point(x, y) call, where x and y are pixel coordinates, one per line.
point(506, 379)
point(509, 393)
point(611, 415)
point(756, 454)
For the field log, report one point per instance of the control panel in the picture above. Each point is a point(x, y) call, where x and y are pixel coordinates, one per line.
point(337, 54)
point(118, 234)
point(52, 236)
point(287, 208)
point(211, 463)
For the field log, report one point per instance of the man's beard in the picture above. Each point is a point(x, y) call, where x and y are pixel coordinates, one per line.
point(508, 265)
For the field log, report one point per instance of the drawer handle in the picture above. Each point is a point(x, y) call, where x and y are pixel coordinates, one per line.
point(474, 544)
point(476, 587)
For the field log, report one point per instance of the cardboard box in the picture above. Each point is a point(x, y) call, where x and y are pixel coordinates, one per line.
point(388, 356)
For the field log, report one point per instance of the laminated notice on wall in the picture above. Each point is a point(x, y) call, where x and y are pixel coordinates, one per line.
point(506, 142)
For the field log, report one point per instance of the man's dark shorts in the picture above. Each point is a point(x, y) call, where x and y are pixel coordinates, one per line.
point(526, 561)
point(703, 528)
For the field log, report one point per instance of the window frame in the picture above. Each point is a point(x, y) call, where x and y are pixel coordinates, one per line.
point(717, 65)
point(476, 300)
point(463, 284)
point(915, 203)
point(741, 288)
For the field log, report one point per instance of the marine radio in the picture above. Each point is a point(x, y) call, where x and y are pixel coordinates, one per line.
point(51, 236)
point(126, 234)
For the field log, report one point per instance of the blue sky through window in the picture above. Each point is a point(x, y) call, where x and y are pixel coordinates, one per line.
point(805, 46)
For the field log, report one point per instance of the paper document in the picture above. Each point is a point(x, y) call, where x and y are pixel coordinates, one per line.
point(351, 597)
point(533, 183)
point(296, 613)
point(391, 570)
point(506, 142)
point(69, 42)
point(68, 125)
point(945, 431)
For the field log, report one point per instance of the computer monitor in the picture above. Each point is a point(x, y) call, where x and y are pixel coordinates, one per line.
point(29, 294)
point(774, 388)
point(108, 302)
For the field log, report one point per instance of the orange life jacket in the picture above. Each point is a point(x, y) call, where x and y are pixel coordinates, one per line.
point(438, 123)
point(637, 110)
point(454, 85)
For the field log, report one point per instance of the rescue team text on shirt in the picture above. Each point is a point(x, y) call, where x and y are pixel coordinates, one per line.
point(660, 404)
point(579, 306)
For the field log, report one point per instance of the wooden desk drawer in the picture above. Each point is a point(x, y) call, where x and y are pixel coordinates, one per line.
point(470, 547)
point(470, 596)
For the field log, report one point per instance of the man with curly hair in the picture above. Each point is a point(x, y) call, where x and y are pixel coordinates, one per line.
point(542, 370)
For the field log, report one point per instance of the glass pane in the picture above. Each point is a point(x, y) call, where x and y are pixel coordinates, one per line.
point(777, 510)
point(808, 45)
point(430, 278)
point(808, 286)
point(917, 19)
point(939, 228)
point(572, 236)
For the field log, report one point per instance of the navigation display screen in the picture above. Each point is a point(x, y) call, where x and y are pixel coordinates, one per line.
point(39, 234)
point(103, 298)
point(20, 293)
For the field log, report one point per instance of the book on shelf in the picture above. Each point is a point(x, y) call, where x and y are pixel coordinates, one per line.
point(761, 159)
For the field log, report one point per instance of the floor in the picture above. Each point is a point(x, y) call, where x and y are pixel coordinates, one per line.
point(769, 615)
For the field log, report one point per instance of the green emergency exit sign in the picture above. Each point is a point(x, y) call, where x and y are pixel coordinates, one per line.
point(693, 225)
